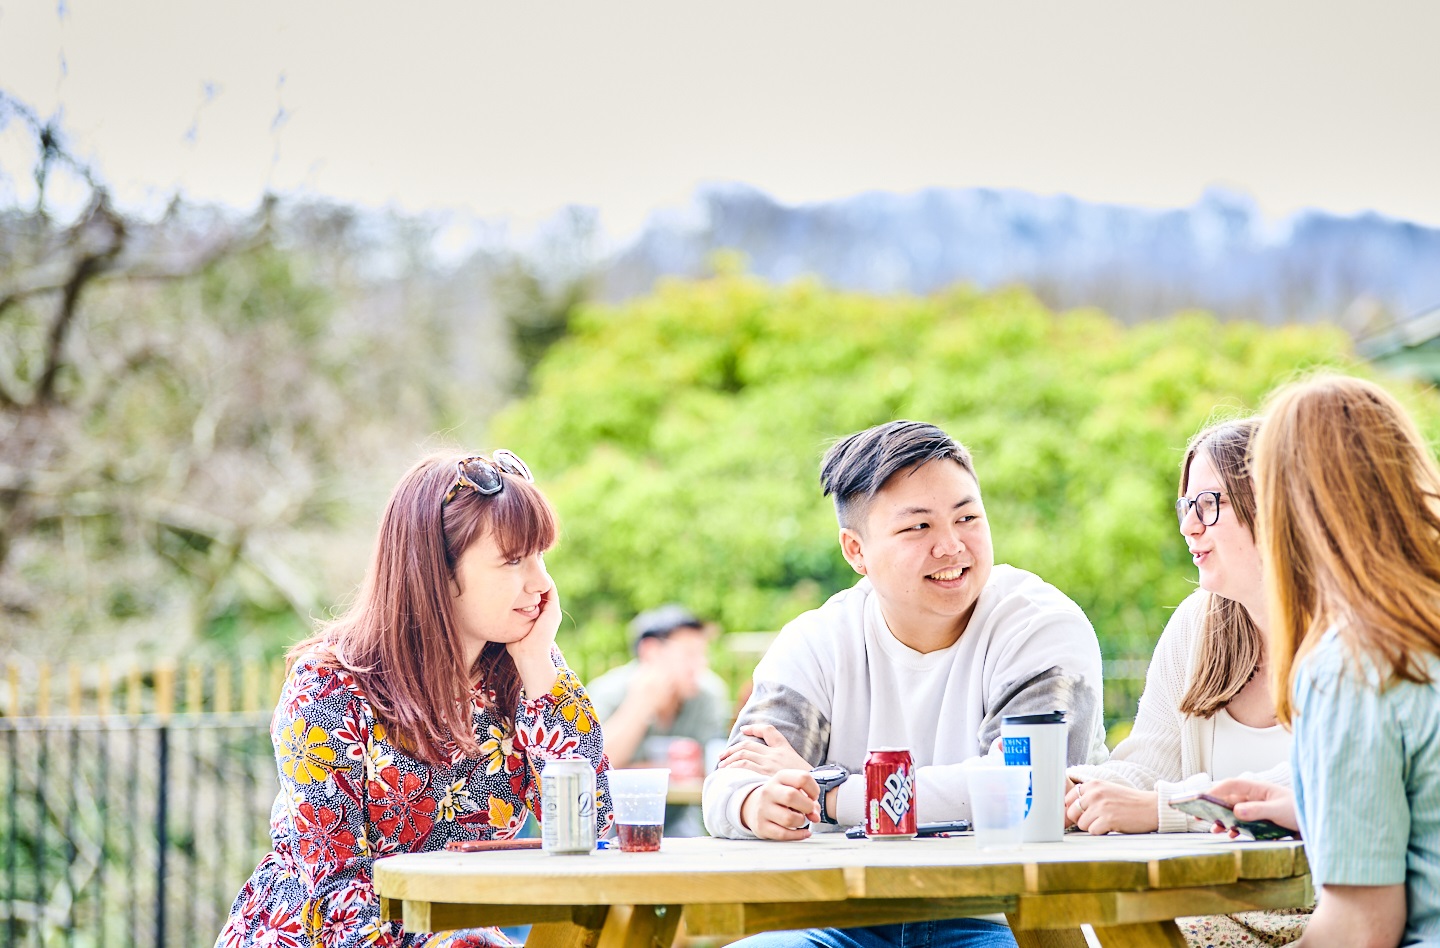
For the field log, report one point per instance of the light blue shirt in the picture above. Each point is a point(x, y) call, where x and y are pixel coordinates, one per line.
point(1367, 780)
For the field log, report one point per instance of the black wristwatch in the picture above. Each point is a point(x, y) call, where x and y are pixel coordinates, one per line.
point(829, 776)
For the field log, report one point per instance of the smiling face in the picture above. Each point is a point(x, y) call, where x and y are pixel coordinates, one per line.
point(925, 545)
point(1224, 552)
point(497, 599)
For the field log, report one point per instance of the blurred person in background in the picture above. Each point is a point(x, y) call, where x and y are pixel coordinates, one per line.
point(662, 708)
point(667, 691)
point(422, 715)
point(1349, 531)
point(1206, 713)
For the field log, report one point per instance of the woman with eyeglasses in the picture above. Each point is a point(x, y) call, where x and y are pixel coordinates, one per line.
point(1206, 712)
point(424, 714)
point(1350, 537)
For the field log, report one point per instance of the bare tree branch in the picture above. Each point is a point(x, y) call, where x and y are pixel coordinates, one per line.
point(25, 292)
point(140, 272)
point(86, 268)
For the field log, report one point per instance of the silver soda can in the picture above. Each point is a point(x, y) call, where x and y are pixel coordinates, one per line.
point(567, 806)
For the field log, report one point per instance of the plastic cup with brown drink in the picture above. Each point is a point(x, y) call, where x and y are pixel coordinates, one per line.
point(638, 797)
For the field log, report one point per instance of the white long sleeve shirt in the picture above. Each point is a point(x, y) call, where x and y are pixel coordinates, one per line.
point(1170, 752)
point(836, 683)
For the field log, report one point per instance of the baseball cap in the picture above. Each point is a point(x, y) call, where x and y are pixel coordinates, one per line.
point(661, 621)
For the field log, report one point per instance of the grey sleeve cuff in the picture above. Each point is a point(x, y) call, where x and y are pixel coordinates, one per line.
point(724, 794)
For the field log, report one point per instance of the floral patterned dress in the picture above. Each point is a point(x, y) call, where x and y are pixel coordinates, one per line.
point(349, 796)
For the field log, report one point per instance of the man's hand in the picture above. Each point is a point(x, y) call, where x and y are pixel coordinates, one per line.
point(782, 807)
point(652, 688)
point(648, 698)
point(1099, 807)
point(1254, 800)
point(768, 758)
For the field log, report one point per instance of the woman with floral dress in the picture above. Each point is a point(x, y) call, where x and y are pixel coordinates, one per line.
point(424, 714)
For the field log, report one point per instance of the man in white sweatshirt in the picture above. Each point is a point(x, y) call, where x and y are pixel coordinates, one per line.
point(928, 651)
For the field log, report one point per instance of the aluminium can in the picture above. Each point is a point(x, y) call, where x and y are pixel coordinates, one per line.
point(890, 794)
point(567, 806)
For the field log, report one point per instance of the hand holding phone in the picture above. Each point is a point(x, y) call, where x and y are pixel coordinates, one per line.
point(1214, 810)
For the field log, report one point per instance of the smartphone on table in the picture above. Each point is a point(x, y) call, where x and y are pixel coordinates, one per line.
point(949, 828)
point(1215, 810)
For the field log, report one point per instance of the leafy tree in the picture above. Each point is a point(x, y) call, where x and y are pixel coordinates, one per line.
point(680, 435)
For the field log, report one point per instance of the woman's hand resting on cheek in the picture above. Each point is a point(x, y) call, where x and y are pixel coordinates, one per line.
point(532, 653)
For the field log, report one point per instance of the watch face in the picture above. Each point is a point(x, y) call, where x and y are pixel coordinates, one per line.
point(829, 772)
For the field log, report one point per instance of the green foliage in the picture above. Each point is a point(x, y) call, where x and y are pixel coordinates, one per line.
point(679, 436)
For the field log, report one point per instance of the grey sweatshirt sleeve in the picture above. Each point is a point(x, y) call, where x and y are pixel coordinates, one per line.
point(1051, 689)
point(803, 723)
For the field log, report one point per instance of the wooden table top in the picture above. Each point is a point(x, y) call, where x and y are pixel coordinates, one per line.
point(830, 867)
point(1136, 885)
point(684, 792)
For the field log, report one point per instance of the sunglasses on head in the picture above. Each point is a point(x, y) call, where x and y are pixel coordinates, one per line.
point(483, 475)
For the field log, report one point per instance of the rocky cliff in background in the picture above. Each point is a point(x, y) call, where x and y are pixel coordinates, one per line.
point(1220, 254)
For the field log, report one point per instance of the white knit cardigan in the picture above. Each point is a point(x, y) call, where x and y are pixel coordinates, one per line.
point(1167, 751)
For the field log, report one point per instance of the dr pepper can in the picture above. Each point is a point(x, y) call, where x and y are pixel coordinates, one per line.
point(890, 794)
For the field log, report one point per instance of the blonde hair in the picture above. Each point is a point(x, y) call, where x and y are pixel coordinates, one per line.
point(1231, 644)
point(1349, 529)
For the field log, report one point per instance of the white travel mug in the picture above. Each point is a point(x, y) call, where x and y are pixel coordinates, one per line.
point(1038, 741)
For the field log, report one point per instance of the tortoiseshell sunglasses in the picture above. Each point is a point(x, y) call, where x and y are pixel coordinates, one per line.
point(482, 474)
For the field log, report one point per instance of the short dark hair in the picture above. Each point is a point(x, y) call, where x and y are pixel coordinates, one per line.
point(857, 466)
point(658, 623)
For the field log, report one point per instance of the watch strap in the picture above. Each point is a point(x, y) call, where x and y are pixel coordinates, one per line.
point(825, 815)
point(826, 785)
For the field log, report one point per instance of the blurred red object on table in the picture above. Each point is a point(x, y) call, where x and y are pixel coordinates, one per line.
point(686, 759)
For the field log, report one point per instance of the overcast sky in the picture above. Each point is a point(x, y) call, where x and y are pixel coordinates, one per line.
point(517, 109)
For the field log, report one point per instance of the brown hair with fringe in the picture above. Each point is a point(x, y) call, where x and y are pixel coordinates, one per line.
point(399, 638)
point(1349, 530)
point(1231, 645)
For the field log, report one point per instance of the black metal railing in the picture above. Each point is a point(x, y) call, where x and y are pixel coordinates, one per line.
point(130, 831)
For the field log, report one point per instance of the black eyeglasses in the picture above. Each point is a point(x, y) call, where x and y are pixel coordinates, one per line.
point(1206, 504)
point(483, 475)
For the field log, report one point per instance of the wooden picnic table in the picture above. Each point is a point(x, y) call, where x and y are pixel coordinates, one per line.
point(1131, 888)
point(684, 792)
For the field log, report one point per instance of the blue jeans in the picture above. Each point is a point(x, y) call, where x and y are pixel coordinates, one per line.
point(948, 933)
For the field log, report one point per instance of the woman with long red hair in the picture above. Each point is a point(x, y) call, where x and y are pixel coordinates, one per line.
point(1349, 533)
point(423, 714)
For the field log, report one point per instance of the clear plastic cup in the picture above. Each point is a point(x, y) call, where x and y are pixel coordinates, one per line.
point(997, 804)
point(638, 796)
